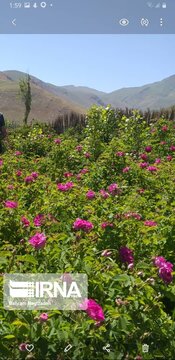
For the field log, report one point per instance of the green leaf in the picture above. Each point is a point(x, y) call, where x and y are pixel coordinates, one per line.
point(27, 258)
point(3, 260)
point(19, 323)
point(9, 337)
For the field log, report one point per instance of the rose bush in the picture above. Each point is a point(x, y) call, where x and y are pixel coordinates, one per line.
point(62, 211)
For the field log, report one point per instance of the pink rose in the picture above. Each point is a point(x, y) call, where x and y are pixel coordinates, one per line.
point(105, 224)
point(148, 149)
point(87, 155)
point(34, 175)
point(126, 169)
point(84, 171)
point(90, 194)
point(43, 317)
point(10, 187)
point(66, 277)
point(150, 223)
point(94, 310)
point(152, 168)
point(120, 153)
point(25, 221)
point(17, 153)
point(81, 224)
point(29, 179)
point(65, 187)
point(114, 189)
point(144, 157)
point(164, 128)
point(38, 240)
point(126, 255)
point(22, 347)
point(165, 269)
point(38, 220)
point(158, 261)
point(157, 161)
point(11, 204)
point(172, 148)
point(18, 173)
point(57, 141)
point(141, 191)
point(68, 174)
point(143, 165)
point(104, 194)
point(79, 148)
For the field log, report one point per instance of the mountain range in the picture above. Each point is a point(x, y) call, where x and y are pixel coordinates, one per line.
point(49, 101)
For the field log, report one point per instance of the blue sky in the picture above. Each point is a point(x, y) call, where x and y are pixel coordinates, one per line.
point(104, 62)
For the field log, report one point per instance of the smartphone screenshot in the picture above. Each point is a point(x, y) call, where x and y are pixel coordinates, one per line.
point(87, 180)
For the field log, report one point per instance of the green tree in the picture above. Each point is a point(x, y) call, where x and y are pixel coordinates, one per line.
point(26, 96)
point(101, 128)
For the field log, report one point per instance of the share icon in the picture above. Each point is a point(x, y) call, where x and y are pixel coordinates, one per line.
point(106, 348)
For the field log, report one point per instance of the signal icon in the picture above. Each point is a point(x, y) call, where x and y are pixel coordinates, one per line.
point(144, 22)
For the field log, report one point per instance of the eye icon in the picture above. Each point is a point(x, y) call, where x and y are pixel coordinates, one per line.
point(124, 22)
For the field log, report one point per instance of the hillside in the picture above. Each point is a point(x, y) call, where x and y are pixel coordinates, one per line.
point(45, 105)
point(80, 95)
point(50, 100)
point(154, 96)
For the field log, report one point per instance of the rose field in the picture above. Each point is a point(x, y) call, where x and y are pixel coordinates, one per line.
point(98, 201)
